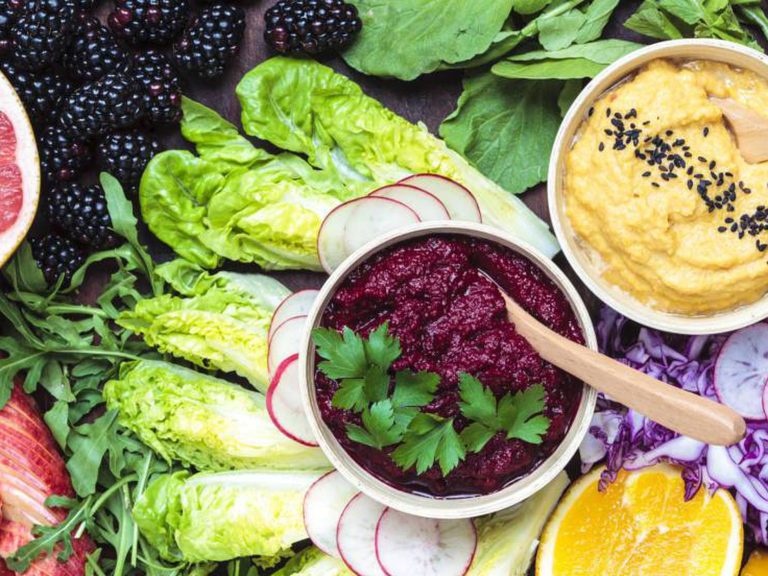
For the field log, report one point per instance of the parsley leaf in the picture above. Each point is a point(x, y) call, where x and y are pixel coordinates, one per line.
point(478, 403)
point(521, 415)
point(429, 439)
point(376, 383)
point(382, 349)
point(476, 436)
point(414, 389)
point(350, 395)
point(344, 354)
point(380, 427)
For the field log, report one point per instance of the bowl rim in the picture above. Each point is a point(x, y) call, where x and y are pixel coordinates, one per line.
point(621, 301)
point(444, 508)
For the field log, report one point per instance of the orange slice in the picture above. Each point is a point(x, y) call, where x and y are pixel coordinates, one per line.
point(757, 564)
point(641, 526)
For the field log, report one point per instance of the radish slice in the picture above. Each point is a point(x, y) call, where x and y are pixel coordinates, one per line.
point(407, 545)
point(741, 370)
point(285, 342)
point(426, 205)
point(356, 535)
point(284, 403)
point(459, 201)
point(323, 504)
point(372, 217)
point(330, 239)
point(297, 304)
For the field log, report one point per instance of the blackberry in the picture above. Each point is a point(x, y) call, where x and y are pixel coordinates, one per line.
point(62, 157)
point(39, 38)
point(41, 92)
point(80, 212)
point(56, 256)
point(9, 13)
point(161, 86)
point(111, 103)
point(54, 6)
point(93, 52)
point(126, 154)
point(311, 26)
point(211, 41)
point(148, 21)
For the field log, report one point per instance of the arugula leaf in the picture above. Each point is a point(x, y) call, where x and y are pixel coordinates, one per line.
point(344, 353)
point(597, 16)
point(558, 33)
point(89, 443)
point(430, 439)
point(414, 389)
point(381, 348)
point(520, 415)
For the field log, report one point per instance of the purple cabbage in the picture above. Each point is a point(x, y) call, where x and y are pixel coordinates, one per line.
point(626, 439)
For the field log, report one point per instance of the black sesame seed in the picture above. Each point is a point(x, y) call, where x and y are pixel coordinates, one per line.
point(646, 174)
point(655, 185)
point(601, 147)
point(706, 131)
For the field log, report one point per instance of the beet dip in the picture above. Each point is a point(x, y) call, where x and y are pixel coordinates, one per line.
point(450, 318)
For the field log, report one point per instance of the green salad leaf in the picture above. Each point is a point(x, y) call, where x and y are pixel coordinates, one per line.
point(202, 421)
point(225, 515)
point(314, 562)
point(220, 322)
point(407, 38)
point(307, 108)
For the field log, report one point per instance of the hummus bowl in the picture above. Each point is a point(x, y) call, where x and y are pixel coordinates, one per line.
point(363, 473)
point(651, 205)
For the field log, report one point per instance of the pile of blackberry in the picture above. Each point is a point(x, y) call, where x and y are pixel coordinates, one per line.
point(311, 26)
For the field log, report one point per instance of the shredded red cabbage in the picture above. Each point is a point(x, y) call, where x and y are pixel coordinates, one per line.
point(627, 439)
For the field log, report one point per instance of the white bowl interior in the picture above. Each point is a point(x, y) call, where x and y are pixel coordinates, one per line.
point(586, 265)
point(422, 505)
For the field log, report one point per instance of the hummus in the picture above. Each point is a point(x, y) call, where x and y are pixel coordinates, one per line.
point(656, 187)
point(438, 299)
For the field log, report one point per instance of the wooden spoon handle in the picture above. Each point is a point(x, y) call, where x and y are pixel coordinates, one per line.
point(684, 412)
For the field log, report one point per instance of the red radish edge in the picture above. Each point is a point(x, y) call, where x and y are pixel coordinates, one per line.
point(323, 232)
point(283, 323)
point(333, 518)
point(392, 188)
point(277, 319)
point(273, 362)
point(284, 365)
point(373, 536)
point(478, 211)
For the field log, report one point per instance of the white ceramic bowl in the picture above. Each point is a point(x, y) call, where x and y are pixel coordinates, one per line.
point(583, 261)
point(419, 505)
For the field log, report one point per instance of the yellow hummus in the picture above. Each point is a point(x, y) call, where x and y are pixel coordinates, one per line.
point(660, 238)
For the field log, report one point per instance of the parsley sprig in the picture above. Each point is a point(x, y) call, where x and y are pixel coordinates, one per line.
point(390, 407)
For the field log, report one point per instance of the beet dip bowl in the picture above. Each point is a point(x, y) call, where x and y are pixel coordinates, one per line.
point(418, 388)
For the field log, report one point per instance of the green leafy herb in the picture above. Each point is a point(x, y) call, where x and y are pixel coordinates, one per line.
point(430, 439)
point(380, 427)
point(382, 349)
point(344, 353)
point(518, 415)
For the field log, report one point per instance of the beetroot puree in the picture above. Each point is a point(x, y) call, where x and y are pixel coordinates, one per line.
point(450, 319)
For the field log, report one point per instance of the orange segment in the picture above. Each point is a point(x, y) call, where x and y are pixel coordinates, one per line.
point(641, 526)
point(757, 564)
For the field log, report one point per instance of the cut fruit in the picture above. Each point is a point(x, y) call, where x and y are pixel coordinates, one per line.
point(19, 171)
point(285, 342)
point(741, 370)
point(324, 503)
point(297, 304)
point(426, 205)
point(372, 217)
point(641, 524)
point(460, 202)
point(356, 535)
point(284, 403)
point(354, 223)
point(757, 565)
point(407, 545)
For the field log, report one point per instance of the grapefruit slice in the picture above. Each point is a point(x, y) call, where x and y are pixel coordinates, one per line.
point(19, 171)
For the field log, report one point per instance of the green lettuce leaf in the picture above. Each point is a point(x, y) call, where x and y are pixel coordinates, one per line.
point(507, 540)
point(307, 108)
point(220, 323)
point(408, 38)
point(314, 562)
point(221, 516)
point(203, 421)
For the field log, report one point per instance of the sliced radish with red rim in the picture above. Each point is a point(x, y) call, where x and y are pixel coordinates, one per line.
point(460, 202)
point(356, 535)
point(373, 217)
point(297, 304)
point(410, 545)
point(330, 239)
point(285, 342)
point(426, 205)
point(324, 503)
point(741, 370)
point(284, 403)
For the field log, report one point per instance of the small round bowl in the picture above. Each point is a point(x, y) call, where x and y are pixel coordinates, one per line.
point(585, 262)
point(416, 504)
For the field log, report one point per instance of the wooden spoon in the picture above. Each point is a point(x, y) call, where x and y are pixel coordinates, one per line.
point(750, 129)
point(684, 412)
